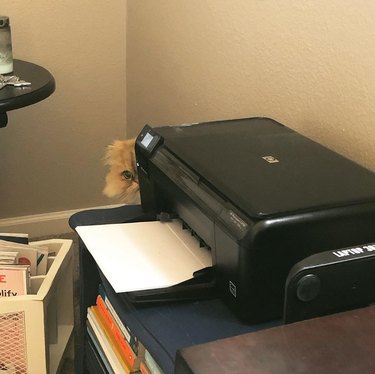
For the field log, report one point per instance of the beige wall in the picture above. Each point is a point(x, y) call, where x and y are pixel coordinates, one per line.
point(50, 153)
point(308, 64)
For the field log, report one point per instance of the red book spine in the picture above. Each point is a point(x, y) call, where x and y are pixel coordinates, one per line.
point(144, 369)
point(117, 334)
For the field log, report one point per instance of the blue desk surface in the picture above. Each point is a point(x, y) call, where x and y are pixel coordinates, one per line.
point(166, 328)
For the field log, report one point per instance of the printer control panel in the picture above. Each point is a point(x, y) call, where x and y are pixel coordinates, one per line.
point(148, 139)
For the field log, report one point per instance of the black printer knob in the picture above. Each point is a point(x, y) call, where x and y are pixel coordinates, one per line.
point(308, 287)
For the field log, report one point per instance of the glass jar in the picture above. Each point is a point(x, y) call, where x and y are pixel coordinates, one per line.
point(6, 55)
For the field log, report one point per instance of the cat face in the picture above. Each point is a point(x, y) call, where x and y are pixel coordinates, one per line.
point(121, 182)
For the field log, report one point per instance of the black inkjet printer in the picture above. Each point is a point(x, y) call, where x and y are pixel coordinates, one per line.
point(273, 207)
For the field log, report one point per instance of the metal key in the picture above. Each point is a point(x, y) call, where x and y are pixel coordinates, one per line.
point(20, 83)
point(12, 80)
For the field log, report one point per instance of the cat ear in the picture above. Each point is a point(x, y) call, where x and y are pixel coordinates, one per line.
point(115, 150)
point(112, 152)
point(108, 155)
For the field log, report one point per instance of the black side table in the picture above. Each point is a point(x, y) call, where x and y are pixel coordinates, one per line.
point(42, 86)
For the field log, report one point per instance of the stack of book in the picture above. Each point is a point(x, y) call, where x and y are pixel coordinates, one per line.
point(118, 348)
point(19, 260)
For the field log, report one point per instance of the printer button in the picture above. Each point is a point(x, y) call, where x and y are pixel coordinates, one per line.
point(308, 287)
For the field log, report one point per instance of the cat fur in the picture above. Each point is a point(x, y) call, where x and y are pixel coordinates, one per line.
point(120, 156)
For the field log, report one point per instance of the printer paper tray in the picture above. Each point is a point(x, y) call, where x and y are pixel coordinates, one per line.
point(202, 286)
point(143, 256)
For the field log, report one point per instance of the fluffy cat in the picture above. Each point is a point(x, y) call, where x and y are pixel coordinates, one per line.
point(122, 180)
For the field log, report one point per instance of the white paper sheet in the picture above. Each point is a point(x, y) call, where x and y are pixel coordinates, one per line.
point(144, 255)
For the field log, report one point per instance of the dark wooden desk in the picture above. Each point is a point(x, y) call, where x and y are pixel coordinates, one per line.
point(339, 343)
point(42, 86)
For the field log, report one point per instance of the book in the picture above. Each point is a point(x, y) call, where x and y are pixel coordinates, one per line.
point(98, 347)
point(152, 365)
point(144, 369)
point(107, 342)
point(149, 366)
point(15, 237)
point(119, 338)
point(144, 365)
point(130, 337)
point(101, 342)
point(14, 280)
point(35, 256)
point(8, 258)
point(42, 260)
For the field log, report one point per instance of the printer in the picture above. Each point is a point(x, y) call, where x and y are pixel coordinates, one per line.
point(262, 198)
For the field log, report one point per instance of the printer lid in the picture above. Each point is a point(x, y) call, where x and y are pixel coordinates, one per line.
point(267, 169)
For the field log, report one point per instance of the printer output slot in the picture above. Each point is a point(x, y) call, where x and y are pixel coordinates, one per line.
point(166, 217)
point(202, 243)
point(201, 287)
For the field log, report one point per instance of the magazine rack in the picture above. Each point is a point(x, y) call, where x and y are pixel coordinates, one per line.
point(35, 328)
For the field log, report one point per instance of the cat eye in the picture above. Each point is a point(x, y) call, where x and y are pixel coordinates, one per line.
point(127, 174)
